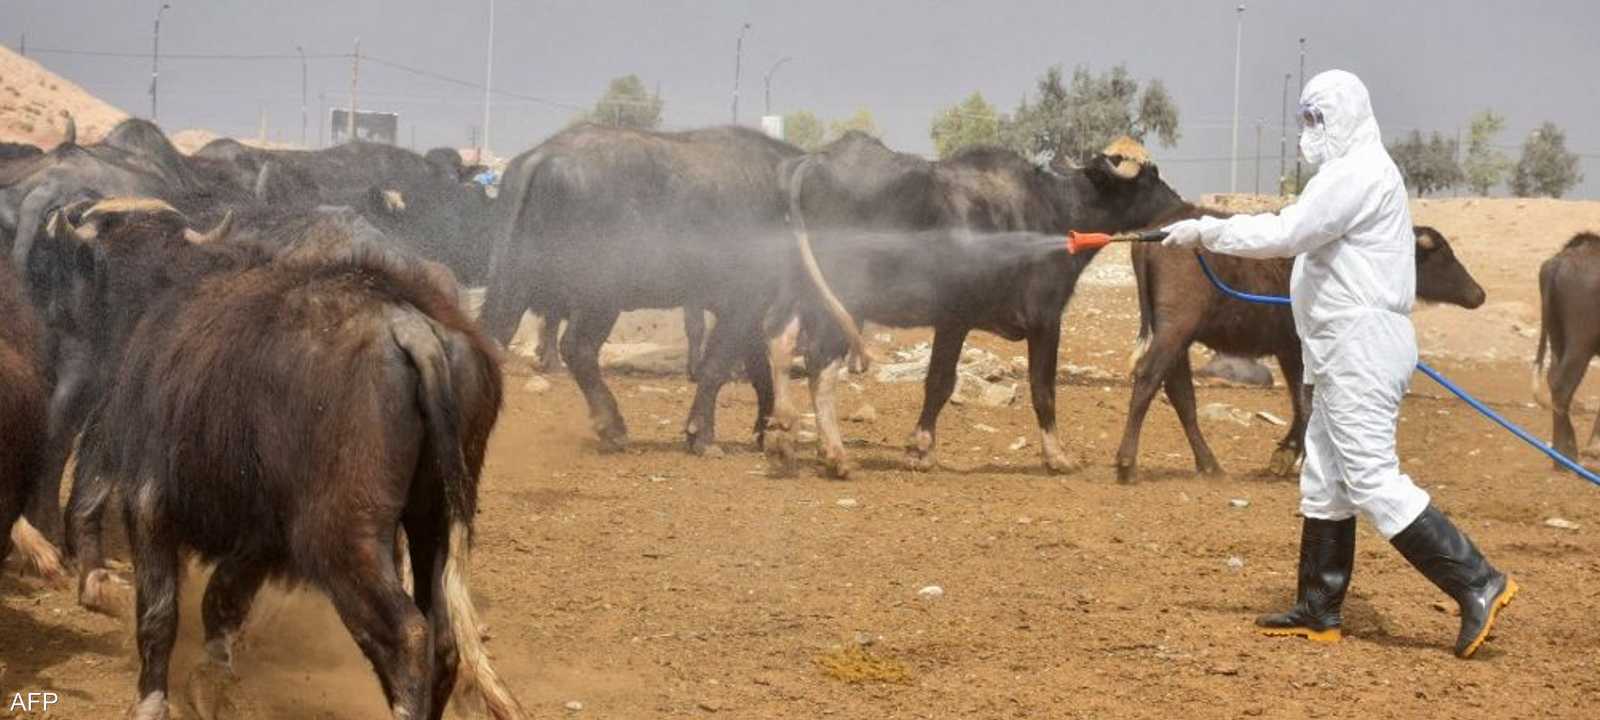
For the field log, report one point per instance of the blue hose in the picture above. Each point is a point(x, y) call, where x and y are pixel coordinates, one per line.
point(1454, 389)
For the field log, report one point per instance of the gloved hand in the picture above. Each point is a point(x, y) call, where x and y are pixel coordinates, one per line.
point(1190, 233)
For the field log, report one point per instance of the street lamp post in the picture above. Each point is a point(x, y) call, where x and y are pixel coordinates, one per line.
point(302, 52)
point(155, 60)
point(768, 82)
point(488, 80)
point(1302, 89)
point(1233, 156)
point(738, 58)
point(1283, 137)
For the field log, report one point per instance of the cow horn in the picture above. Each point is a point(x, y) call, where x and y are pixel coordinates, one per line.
point(69, 134)
point(262, 178)
point(59, 227)
point(216, 234)
point(393, 201)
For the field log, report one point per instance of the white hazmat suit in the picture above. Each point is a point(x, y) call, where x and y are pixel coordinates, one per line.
point(1353, 286)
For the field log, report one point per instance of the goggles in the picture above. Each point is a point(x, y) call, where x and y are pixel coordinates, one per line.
point(1310, 116)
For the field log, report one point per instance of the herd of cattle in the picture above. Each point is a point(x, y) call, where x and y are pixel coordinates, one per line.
point(265, 353)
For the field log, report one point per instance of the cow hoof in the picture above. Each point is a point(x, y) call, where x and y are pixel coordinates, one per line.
point(41, 555)
point(207, 695)
point(837, 467)
point(1127, 474)
point(151, 707)
point(1212, 470)
point(104, 593)
point(707, 450)
point(922, 461)
point(1592, 452)
point(1061, 463)
point(1283, 462)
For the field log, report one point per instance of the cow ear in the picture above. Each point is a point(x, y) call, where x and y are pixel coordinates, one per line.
point(1425, 239)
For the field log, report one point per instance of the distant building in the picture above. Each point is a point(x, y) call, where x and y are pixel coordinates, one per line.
point(378, 127)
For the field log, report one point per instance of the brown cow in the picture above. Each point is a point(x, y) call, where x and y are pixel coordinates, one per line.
point(1178, 306)
point(1569, 287)
point(24, 393)
point(283, 420)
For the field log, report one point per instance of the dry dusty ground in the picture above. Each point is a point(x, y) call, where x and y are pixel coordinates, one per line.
point(652, 584)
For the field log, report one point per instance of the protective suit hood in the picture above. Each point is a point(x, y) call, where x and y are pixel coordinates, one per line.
point(1346, 109)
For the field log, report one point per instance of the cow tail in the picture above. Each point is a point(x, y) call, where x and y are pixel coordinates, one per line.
point(835, 308)
point(442, 423)
point(1547, 310)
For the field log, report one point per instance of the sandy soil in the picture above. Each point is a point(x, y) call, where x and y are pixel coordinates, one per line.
point(33, 98)
point(653, 584)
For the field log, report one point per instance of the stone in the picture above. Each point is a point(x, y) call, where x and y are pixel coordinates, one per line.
point(1561, 524)
point(864, 414)
point(1272, 419)
point(931, 592)
point(574, 706)
point(1239, 503)
point(1236, 370)
point(536, 384)
point(1018, 444)
point(846, 502)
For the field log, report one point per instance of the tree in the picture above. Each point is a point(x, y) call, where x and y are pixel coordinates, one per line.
point(627, 104)
point(1075, 120)
point(803, 128)
point(1485, 166)
point(1546, 168)
point(860, 120)
point(970, 122)
point(1427, 166)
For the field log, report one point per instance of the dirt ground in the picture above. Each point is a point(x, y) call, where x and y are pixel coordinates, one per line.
point(653, 584)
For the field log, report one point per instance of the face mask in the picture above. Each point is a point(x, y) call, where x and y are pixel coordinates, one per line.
point(1314, 145)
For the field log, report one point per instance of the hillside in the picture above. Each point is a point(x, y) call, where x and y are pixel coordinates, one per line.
point(32, 99)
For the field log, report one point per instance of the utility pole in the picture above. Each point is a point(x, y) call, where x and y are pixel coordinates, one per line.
point(302, 52)
point(488, 79)
point(24, 48)
point(1238, 47)
point(322, 118)
point(355, 77)
point(768, 82)
point(155, 60)
point(1258, 156)
point(1283, 137)
point(738, 58)
point(1302, 90)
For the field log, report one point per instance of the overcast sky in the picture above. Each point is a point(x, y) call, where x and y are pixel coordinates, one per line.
point(1429, 65)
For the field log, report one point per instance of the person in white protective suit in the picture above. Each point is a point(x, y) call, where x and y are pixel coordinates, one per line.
point(1352, 290)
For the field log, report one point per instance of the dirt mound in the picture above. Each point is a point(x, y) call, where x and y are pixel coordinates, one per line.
point(32, 100)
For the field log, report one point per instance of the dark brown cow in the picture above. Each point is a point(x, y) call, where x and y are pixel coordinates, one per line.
point(24, 392)
point(1178, 306)
point(283, 419)
point(1569, 290)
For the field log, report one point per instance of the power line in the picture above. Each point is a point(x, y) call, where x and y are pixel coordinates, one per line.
point(191, 56)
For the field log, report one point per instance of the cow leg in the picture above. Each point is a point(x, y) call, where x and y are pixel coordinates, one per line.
point(736, 334)
point(98, 589)
point(1592, 449)
point(157, 572)
point(1566, 374)
point(69, 407)
point(1180, 391)
point(936, 390)
point(580, 348)
point(1292, 448)
point(229, 594)
point(694, 328)
point(548, 354)
point(1150, 372)
point(761, 378)
point(390, 630)
point(824, 381)
point(781, 427)
point(429, 546)
point(1043, 347)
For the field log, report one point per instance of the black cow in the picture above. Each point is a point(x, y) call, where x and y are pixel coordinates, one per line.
point(1569, 284)
point(1015, 284)
point(1178, 306)
point(225, 438)
point(600, 220)
point(398, 191)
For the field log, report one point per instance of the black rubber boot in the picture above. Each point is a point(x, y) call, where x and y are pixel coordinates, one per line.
point(1327, 554)
point(1445, 556)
